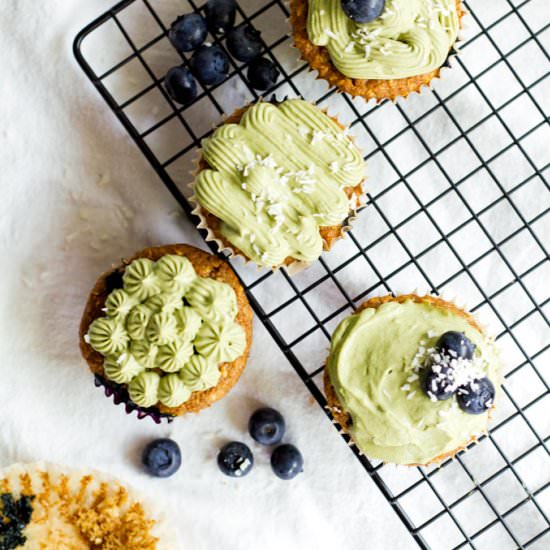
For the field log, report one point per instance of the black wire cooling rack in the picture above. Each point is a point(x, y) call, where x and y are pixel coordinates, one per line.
point(459, 202)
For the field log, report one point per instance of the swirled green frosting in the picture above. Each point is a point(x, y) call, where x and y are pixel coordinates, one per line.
point(144, 389)
point(200, 373)
point(166, 320)
point(172, 391)
point(410, 38)
point(276, 178)
point(372, 369)
point(220, 342)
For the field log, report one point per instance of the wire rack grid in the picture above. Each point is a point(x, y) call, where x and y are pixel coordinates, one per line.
point(459, 202)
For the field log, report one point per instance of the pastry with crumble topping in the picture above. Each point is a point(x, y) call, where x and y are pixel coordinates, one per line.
point(47, 506)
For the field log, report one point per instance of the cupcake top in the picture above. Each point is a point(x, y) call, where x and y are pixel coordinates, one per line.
point(160, 325)
point(276, 177)
point(410, 396)
point(409, 38)
point(44, 506)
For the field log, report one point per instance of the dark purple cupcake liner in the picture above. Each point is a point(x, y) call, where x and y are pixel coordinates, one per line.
point(120, 396)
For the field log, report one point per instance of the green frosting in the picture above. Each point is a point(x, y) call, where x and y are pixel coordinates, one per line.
point(374, 366)
point(200, 373)
point(173, 391)
point(220, 342)
point(276, 178)
point(410, 38)
point(144, 389)
point(149, 335)
point(122, 369)
point(172, 356)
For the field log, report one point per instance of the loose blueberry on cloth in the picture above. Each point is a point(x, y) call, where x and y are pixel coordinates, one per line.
point(235, 459)
point(161, 458)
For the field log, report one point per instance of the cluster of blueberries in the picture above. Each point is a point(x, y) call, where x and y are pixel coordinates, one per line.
point(162, 457)
point(475, 396)
point(209, 63)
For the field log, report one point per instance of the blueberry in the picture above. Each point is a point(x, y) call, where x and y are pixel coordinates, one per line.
point(188, 32)
point(438, 382)
point(287, 461)
point(266, 426)
point(243, 43)
point(161, 457)
point(262, 73)
point(455, 344)
point(363, 11)
point(210, 64)
point(235, 459)
point(477, 396)
point(220, 15)
point(180, 85)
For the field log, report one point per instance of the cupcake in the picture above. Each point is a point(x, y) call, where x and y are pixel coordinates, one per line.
point(45, 506)
point(277, 183)
point(411, 379)
point(376, 49)
point(168, 331)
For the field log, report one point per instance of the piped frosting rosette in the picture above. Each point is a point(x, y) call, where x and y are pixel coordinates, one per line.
point(169, 332)
point(278, 183)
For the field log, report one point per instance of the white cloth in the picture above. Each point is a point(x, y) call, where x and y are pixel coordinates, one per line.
point(76, 195)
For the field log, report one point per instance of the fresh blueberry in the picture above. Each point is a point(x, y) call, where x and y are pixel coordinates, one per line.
point(180, 85)
point(363, 11)
point(188, 32)
point(210, 64)
point(287, 461)
point(161, 457)
point(438, 382)
point(477, 396)
point(262, 73)
point(220, 15)
point(455, 344)
point(243, 43)
point(266, 426)
point(235, 459)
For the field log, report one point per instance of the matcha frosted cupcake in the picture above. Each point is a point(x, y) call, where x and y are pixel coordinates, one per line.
point(47, 506)
point(411, 379)
point(168, 332)
point(376, 49)
point(277, 183)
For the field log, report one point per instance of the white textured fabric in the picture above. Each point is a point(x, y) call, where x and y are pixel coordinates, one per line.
point(76, 195)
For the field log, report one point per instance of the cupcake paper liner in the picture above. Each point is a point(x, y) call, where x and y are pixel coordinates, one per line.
point(416, 84)
point(339, 416)
point(295, 266)
point(59, 491)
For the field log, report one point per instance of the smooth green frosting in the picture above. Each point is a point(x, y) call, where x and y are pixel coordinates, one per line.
point(373, 366)
point(173, 391)
point(149, 335)
point(200, 373)
point(410, 38)
point(276, 178)
point(144, 389)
